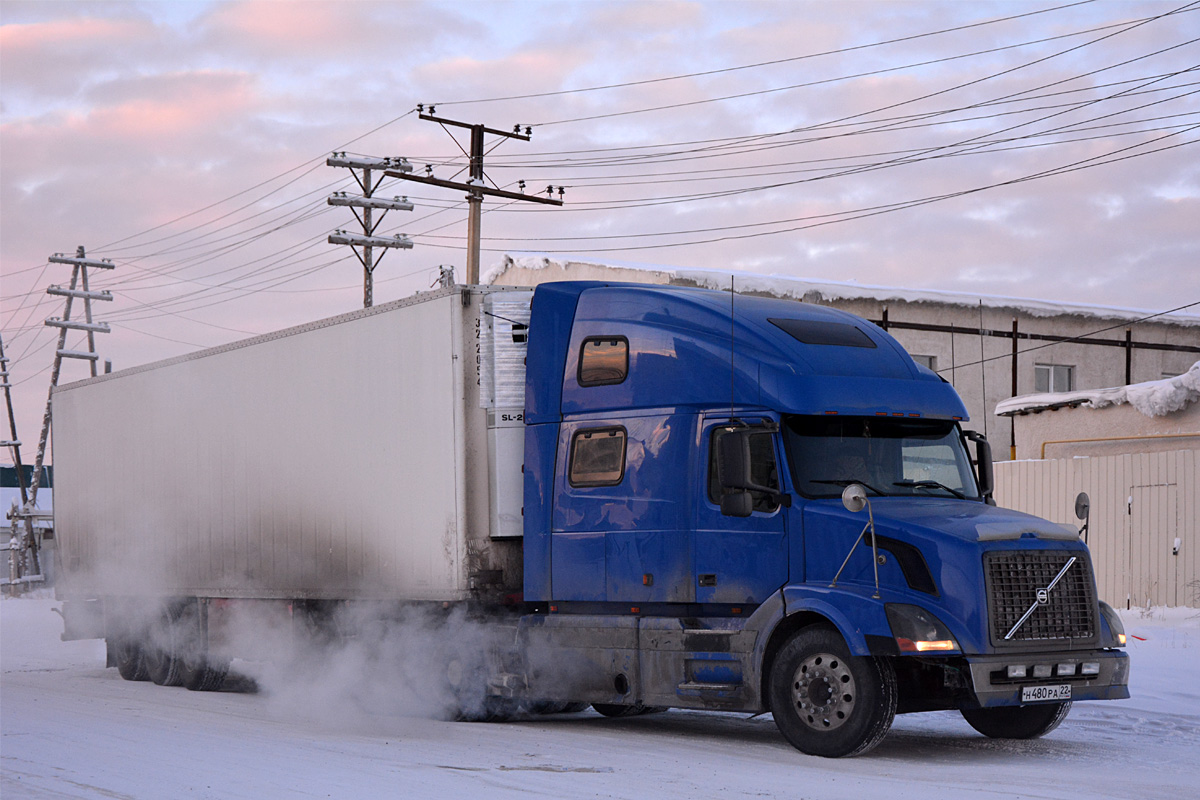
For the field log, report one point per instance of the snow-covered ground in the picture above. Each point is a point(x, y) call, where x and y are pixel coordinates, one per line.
point(73, 729)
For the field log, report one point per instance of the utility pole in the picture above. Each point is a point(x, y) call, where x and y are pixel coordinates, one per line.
point(361, 169)
point(13, 443)
point(14, 539)
point(476, 184)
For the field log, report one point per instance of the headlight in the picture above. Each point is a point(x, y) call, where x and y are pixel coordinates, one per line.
point(918, 631)
point(1114, 625)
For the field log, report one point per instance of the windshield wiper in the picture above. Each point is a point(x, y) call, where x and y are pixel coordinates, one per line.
point(848, 482)
point(930, 485)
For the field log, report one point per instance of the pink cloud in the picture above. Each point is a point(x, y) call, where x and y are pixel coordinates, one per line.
point(19, 40)
point(61, 55)
point(291, 26)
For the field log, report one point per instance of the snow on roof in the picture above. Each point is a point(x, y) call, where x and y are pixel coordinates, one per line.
point(1152, 398)
point(798, 288)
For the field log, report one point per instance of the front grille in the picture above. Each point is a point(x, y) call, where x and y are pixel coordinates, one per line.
point(1013, 581)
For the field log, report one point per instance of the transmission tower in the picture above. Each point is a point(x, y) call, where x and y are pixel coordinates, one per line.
point(362, 169)
point(24, 563)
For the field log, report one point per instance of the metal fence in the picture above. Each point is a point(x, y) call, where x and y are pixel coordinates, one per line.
point(1143, 531)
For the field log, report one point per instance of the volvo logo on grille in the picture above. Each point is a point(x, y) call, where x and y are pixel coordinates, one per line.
point(1042, 597)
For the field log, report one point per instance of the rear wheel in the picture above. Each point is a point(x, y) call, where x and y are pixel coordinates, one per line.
point(131, 661)
point(466, 680)
point(827, 702)
point(489, 709)
point(203, 674)
point(1017, 722)
point(162, 651)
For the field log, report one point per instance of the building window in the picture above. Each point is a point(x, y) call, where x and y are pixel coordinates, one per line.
point(1053, 378)
point(603, 360)
point(597, 457)
point(926, 361)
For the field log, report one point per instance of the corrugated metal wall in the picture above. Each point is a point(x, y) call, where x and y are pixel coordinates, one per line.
point(1141, 503)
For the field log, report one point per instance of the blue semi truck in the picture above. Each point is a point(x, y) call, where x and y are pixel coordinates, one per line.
point(657, 497)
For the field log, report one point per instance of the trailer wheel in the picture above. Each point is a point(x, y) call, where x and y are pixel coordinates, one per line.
point(827, 702)
point(1017, 722)
point(131, 661)
point(163, 662)
point(203, 674)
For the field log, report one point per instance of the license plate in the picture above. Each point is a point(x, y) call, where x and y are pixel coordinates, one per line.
point(1034, 694)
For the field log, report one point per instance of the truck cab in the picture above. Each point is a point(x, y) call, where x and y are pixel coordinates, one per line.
point(746, 503)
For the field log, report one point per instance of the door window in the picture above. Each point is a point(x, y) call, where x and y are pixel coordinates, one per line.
point(763, 470)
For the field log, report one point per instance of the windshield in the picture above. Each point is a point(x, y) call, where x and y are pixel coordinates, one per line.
point(897, 457)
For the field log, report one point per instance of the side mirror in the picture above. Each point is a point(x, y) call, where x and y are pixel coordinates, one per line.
point(1083, 508)
point(733, 473)
point(983, 465)
point(854, 498)
point(733, 460)
point(737, 504)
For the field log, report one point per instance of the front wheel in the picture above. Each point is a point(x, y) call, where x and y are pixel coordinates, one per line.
point(1017, 722)
point(827, 702)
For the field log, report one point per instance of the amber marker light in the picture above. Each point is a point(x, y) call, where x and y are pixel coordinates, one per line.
point(935, 646)
point(916, 630)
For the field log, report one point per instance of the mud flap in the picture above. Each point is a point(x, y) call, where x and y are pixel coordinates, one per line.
point(82, 619)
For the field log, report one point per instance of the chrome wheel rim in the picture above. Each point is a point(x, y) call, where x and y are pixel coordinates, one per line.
point(823, 692)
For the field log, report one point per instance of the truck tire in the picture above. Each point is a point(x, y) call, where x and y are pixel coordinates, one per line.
point(163, 662)
point(203, 674)
point(543, 707)
point(131, 661)
point(466, 683)
point(1017, 722)
point(827, 702)
point(489, 709)
point(613, 710)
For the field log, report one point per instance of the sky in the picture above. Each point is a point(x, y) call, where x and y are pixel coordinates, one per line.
point(1034, 149)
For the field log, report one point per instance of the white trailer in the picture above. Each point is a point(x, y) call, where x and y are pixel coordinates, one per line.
point(349, 458)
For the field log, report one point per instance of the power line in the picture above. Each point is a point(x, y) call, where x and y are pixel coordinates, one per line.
point(1123, 324)
point(685, 104)
point(258, 185)
point(774, 62)
point(875, 211)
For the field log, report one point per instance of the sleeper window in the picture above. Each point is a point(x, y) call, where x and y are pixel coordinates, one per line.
point(597, 457)
point(603, 360)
